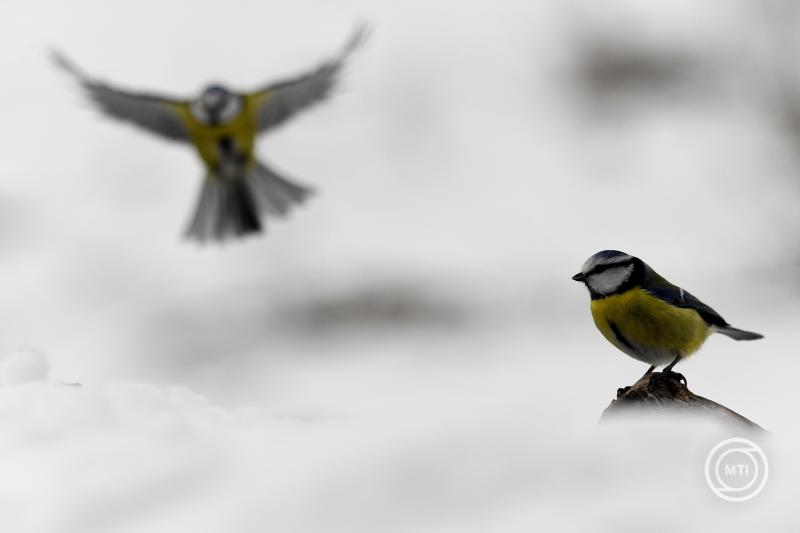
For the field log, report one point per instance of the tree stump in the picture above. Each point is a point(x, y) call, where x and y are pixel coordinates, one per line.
point(665, 392)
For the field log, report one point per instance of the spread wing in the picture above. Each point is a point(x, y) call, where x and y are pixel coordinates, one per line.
point(279, 101)
point(155, 114)
point(663, 289)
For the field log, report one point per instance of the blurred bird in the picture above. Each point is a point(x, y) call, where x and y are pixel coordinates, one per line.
point(222, 125)
point(646, 316)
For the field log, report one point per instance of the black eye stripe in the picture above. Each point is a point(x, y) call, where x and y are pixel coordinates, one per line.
point(602, 268)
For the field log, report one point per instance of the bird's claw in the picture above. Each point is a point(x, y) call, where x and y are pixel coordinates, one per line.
point(676, 375)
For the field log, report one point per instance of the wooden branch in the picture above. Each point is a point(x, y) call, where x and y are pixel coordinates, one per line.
point(659, 392)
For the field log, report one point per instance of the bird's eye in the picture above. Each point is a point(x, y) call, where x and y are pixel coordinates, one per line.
point(606, 266)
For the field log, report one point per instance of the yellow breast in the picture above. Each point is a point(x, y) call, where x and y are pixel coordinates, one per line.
point(206, 138)
point(648, 328)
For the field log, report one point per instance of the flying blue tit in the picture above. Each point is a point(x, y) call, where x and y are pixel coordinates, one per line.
point(222, 125)
point(646, 316)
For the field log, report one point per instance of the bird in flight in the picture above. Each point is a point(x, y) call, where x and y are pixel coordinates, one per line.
point(222, 124)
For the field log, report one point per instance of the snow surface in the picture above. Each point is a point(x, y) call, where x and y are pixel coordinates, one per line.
point(393, 357)
point(479, 455)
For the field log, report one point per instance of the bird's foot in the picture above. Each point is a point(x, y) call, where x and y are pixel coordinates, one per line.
point(622, 391)
point(649, 371)
point(675, 375)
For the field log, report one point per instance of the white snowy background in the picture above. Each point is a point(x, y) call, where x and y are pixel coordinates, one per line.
point(407, 353)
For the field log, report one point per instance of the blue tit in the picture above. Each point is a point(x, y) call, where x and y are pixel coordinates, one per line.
point(646, 316)
point(222, 124)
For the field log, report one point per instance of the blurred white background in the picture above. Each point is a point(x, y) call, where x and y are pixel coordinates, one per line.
point(393, 357)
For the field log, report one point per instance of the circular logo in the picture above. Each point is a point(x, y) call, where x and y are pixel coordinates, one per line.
point(736, 469)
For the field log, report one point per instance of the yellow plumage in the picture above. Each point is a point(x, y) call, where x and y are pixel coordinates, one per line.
point(222, 125)
point(646, 316)
point(241, 131)
point(650, 329)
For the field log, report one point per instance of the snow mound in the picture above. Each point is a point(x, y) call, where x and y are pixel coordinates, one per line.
point(25, 364)
point(129, 457)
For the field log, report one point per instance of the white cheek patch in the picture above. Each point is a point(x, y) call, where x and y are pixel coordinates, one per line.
point(231, 109)
point(608, 281)
point(199, 112)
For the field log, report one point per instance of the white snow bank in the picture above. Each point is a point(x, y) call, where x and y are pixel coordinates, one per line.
point(24, 364)
point(136, 457)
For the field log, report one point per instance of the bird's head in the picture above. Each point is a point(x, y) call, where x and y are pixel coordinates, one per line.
point(215, 97)
point(609, 272)
point(216, 104)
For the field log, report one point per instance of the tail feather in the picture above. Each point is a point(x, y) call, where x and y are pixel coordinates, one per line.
point(275, 194)
point(739, 334)
point(242, 213)
point(231, 207)
point(204, 223)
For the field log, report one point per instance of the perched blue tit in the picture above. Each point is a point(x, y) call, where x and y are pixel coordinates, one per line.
point(646, 316)
point(222, 125)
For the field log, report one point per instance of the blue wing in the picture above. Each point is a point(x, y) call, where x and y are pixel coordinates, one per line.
point(280, 101)
point(155, 114)
point(680, 298)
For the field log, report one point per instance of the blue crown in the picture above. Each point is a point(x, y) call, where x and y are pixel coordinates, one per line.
point(609, 254)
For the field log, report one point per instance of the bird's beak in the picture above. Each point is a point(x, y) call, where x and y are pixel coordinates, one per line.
point(579, 277)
